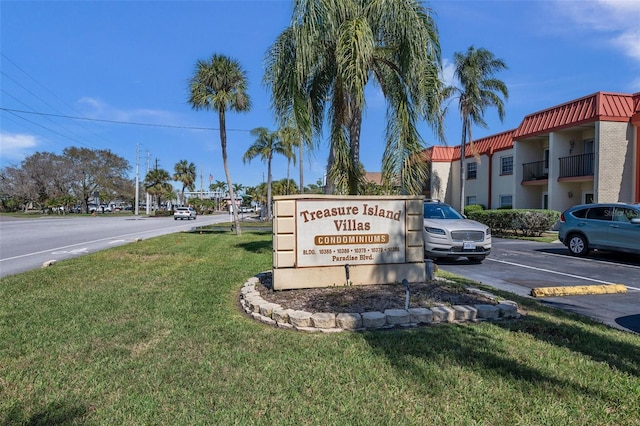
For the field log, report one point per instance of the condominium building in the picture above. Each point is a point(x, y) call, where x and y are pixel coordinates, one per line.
point(583, 151)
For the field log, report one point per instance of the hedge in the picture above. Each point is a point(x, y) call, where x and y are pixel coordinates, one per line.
point(531, 223)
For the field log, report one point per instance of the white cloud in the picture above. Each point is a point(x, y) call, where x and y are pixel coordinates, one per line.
point(615, 20)
point(15, 146)
point(448, 69)
point(95, 108)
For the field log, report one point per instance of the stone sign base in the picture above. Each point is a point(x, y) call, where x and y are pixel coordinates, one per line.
point(329, 322)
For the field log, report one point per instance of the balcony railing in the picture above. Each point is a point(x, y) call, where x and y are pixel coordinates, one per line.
point(577, 165)
point(534, 171)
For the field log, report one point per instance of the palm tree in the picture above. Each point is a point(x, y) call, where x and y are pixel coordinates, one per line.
point(219, 187)
point(266, 144)
point(478, 90)
point(157, 184)
point(297, 103)
point(220, 84)
point(290, 139)
point(186, 173)
point(330, 52)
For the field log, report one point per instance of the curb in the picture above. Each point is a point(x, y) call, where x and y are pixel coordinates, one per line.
point(578, 290)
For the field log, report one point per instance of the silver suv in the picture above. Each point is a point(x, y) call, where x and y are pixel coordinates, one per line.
point(184, 213)
point(448, 234)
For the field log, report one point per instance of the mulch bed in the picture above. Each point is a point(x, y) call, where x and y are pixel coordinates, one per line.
point(368, 298)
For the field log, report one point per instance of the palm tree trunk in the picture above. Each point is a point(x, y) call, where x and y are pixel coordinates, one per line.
point(329, 186)
point(354, 151)
point(301, 160)
point(288, 169)
point(465, 123)
point(223, 142)
point(269, 189)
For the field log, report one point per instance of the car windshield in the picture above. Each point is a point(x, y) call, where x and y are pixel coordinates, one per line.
point(440, 211)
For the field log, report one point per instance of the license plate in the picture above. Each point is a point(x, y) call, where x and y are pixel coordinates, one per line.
point(468, 246)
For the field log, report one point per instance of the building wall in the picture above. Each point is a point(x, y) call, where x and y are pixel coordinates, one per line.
point(615, 171)
point(501, 184)
point(478, 187)
point(441, 185)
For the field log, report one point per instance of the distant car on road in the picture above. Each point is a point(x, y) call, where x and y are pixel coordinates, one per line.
point(448, 234)
point(603, 226)
point(184, 213)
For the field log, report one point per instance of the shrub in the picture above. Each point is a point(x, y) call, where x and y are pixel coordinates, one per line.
point(528, 222)
point(472, 208)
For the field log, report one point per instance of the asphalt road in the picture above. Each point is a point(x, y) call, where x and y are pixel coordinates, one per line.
point(26, 244)
point(518, 266)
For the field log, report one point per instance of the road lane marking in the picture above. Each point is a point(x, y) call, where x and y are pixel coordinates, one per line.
point(84, 243)
point(557, 273)
point(83, 250)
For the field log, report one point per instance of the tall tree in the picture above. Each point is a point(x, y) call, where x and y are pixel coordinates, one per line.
point(185, 173)
point(297, 103)
point(78, 173)
point(478, 89)
point(331, 51)
point(157, 184)
point(290, 139)
point(220, 188)
point(95, 171)
point(266, 144)
point(220, 84)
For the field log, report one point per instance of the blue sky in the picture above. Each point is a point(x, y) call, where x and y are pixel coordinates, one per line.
point(130, 61)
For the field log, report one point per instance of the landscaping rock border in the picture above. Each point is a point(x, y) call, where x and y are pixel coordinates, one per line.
point(327, 322)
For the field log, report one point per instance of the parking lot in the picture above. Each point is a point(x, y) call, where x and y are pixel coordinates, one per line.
point(518, 266)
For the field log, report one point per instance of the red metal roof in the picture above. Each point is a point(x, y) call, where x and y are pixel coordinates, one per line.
point(439, 153)
point(484, 146)
point(600, 106)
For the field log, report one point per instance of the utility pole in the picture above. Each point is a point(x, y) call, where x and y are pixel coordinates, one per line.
point(148, 201)
point(137, 209)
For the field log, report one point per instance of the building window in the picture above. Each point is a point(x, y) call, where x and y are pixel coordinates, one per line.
point(471, 200)
point(472, 170)
point(506, 165)
point(506, 201)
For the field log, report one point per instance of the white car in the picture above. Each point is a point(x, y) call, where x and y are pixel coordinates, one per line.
point(184, 213)
point(448, 234)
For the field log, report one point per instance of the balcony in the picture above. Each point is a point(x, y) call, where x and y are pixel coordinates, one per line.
point(535, 171)
point(576, 166)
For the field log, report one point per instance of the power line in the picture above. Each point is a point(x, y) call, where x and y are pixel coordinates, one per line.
point(46, 128)
point(119, 122)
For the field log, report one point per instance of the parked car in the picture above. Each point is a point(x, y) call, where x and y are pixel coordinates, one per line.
point(610, 227)
point(184, 213)
point(448, 234)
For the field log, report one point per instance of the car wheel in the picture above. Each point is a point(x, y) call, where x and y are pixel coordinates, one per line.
point(175, 218)
point(578, 245)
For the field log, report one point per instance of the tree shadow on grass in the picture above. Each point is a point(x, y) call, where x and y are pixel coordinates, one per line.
point(256, 247)
point(583, 336)
point(573, 331)
point(416, 353)
point(55, 413)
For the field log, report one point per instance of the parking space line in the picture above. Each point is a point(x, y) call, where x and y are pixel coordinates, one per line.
point(558, 273)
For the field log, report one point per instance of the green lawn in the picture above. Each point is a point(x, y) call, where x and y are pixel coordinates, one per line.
point(151, 333)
